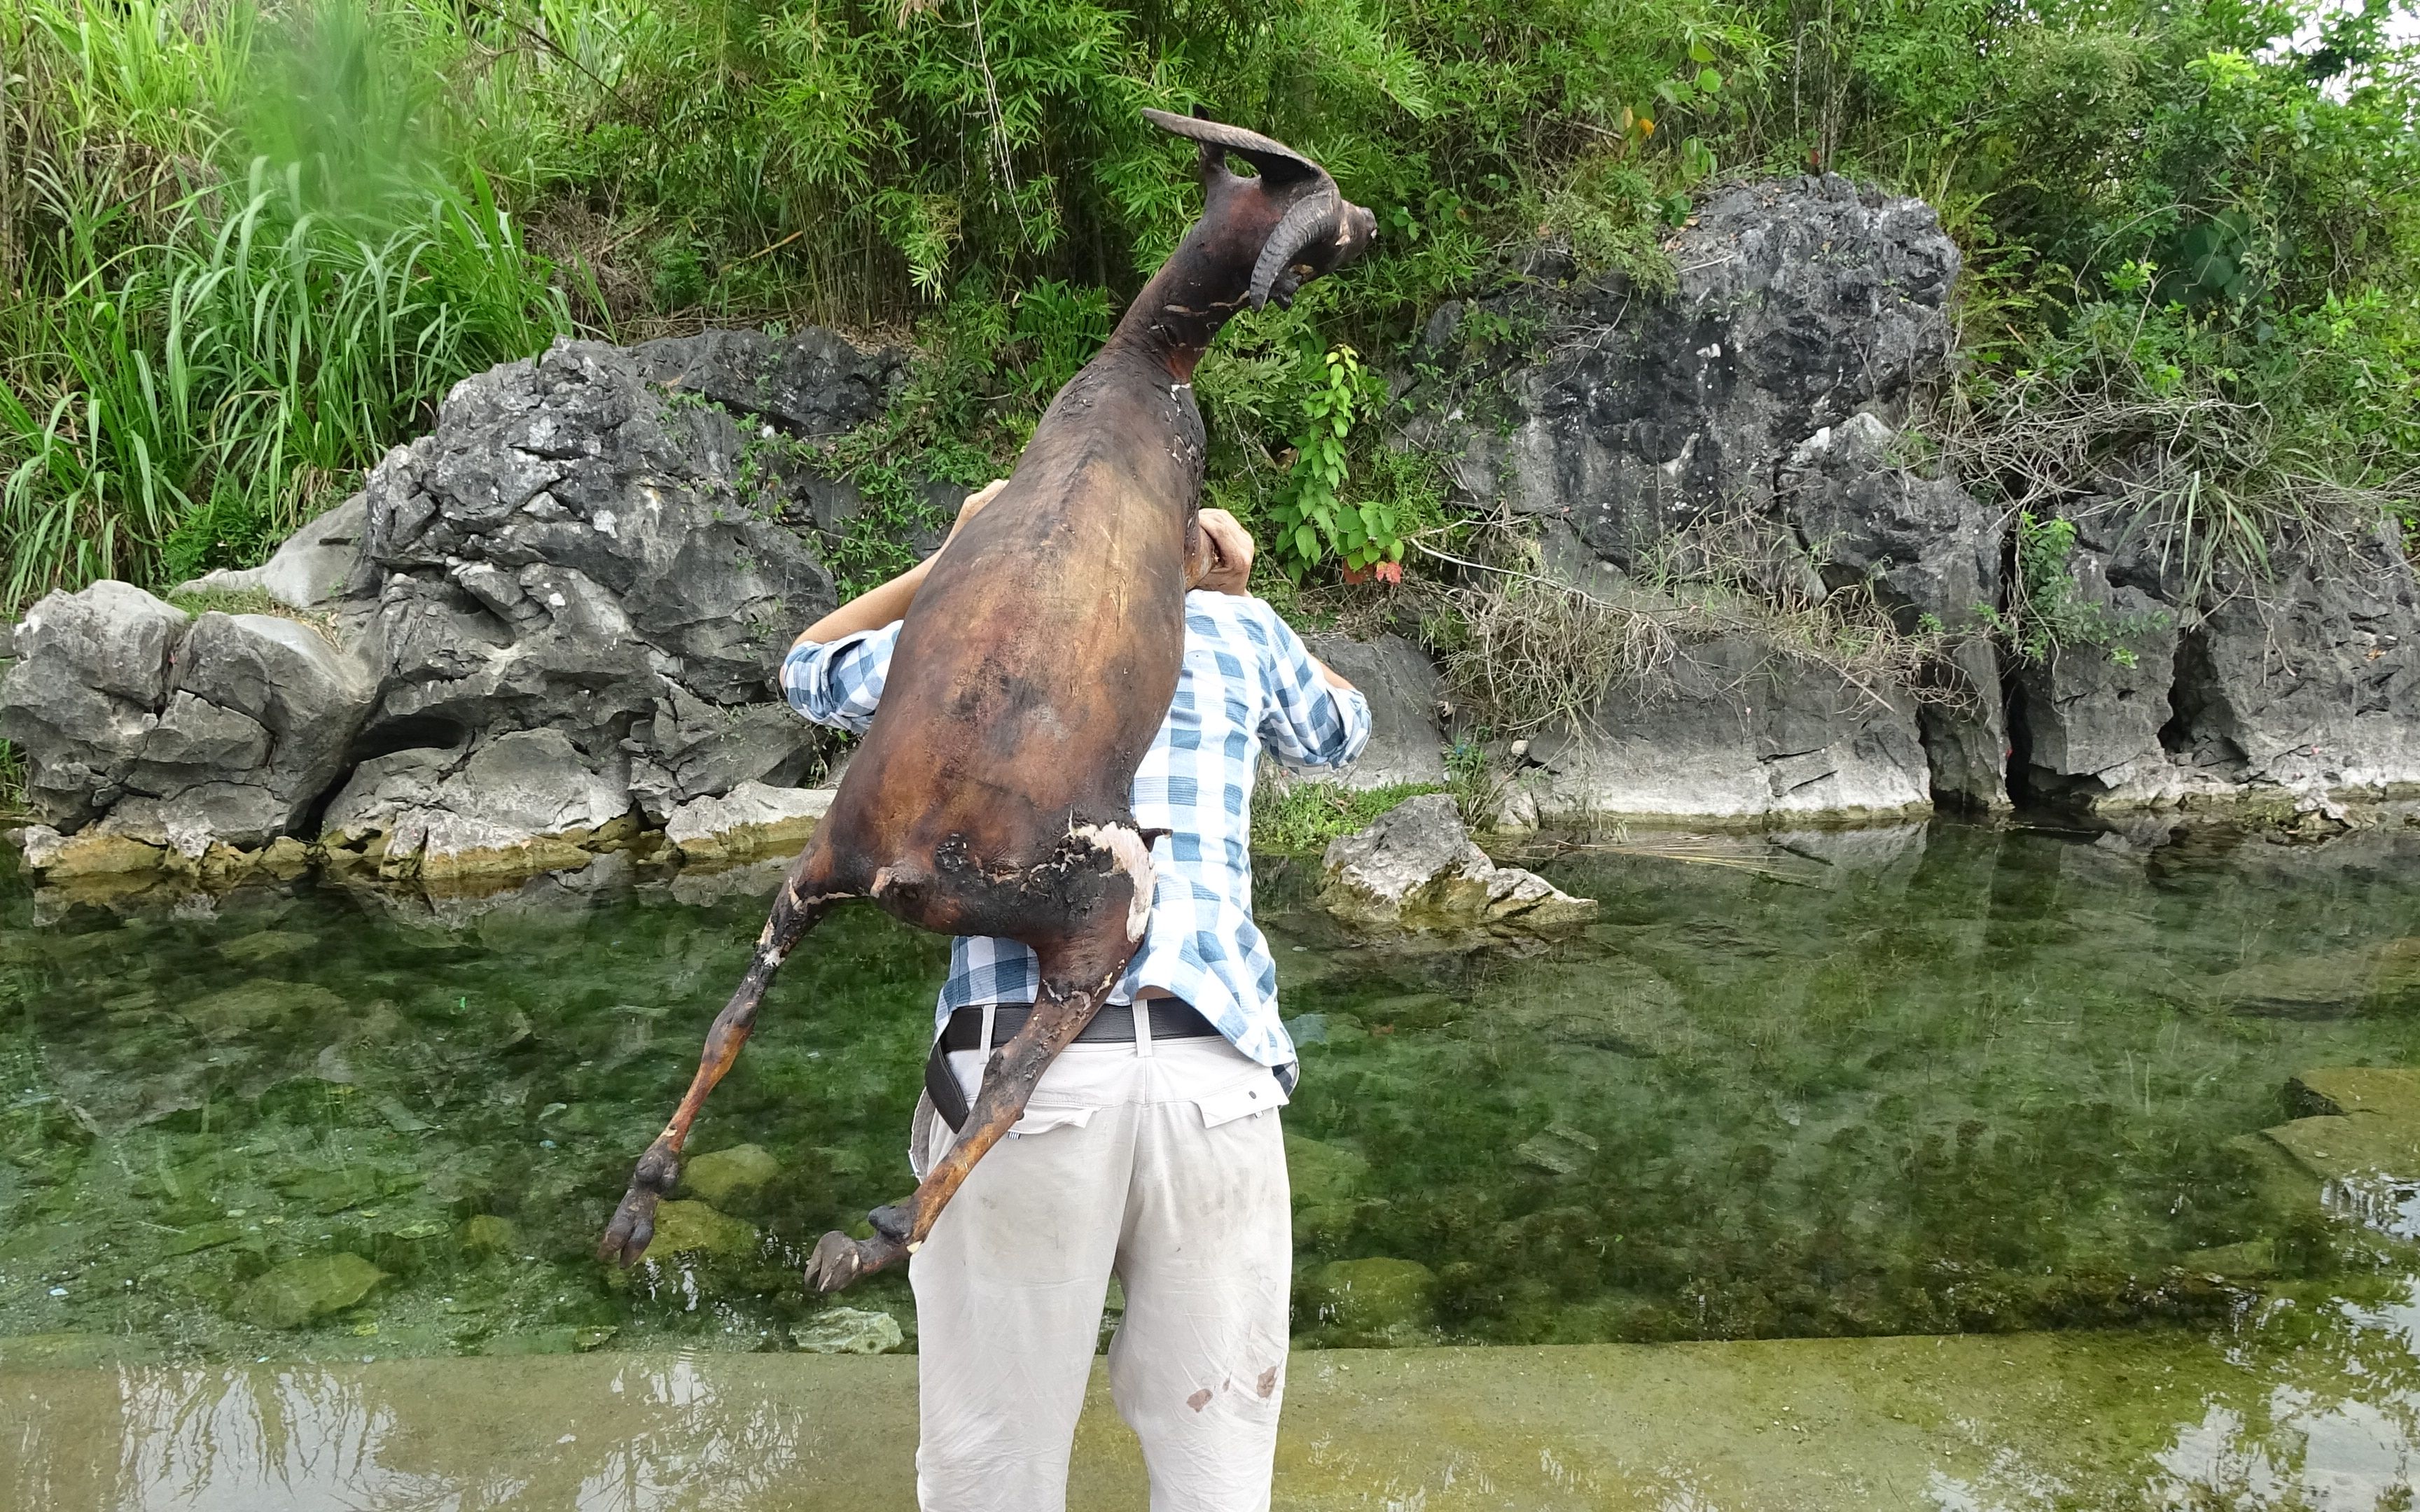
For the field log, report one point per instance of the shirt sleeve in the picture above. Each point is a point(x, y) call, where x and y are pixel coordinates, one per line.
point(1309, 722)
point(838, 683)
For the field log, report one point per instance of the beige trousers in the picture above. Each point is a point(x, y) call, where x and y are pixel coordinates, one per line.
point(1159, 1163)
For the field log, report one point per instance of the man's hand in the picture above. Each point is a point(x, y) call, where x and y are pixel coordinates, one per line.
point(1228, 550)
point(974, 505)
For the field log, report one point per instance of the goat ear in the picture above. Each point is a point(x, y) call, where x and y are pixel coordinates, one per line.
point(1311, 218)
point(1280, 164)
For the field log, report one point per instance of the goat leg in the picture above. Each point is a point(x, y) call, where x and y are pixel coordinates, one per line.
point(1008, 1083)
point(805, 896)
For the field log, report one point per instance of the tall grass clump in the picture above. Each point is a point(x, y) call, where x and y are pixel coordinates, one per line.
point(199, 359)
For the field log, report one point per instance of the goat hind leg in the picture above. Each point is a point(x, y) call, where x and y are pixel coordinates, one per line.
point(805, 896)
point(1064, 1008)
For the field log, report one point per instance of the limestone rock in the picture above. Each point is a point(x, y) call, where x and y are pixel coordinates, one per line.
point(300, 1290)
point(753, 820)
point(519, 802)
point(1736, 730)
point(848, 1331)
point(1407, 741)
point(1801, 303)
point(89, 681)
point(721, 1175)
point(1415, 870)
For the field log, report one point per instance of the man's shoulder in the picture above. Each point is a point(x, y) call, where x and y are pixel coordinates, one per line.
point(1230, 618)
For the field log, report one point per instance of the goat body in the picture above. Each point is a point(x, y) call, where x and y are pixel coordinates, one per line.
point(992, 793)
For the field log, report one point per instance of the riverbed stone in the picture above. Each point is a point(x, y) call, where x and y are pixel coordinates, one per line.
point(1415, 872)
point(1382, 1297)
point(1321, 1173)
point(684, 1226)
point(848, 1331)
point(300, 1290)
point(2325, 981)
point(2387, 1092)
point(723, 1176)
point(486, 1233)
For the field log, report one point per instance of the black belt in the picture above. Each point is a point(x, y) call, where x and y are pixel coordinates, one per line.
point(1171, 1018)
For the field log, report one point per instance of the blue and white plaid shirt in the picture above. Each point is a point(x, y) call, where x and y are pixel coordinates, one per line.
point(1247, 682)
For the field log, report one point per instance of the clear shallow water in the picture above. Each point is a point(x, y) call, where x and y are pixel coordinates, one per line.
point(1944, 1080)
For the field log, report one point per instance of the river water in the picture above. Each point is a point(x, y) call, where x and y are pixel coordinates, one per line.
point(1935, 1080)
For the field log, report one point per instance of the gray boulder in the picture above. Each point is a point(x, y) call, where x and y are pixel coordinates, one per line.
point(89, 685)
point(814, 384)
point(1800, 304)
point(1925, 545)
point(175, 732)
point(1732, 730)
point(1415, 872)
point(520, 801)
point(2315, 680)
point(1406, 739)
point(256, 729)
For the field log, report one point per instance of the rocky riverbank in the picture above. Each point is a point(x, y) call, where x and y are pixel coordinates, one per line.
point(549, 630)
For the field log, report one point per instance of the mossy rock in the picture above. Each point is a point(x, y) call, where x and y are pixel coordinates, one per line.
point(313, 1286)
point(724, 1175)
point(487, 1234)
point(848, 1331)
point(1322, 1175)
point(697, 1227)
point(1378, 1296)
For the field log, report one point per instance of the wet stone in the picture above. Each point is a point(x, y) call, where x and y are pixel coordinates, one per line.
point(487, 1234)
point(696, 1226)
point(848, 1331)
point(300, 1290)
point(724, 1175)
point(1321, 1174)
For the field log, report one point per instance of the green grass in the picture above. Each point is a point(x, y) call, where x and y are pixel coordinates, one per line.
point(1300, 818)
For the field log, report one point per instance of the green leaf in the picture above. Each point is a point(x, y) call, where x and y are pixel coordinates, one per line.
point(1709, 81)
point(1306, 543)
point(1701, 53)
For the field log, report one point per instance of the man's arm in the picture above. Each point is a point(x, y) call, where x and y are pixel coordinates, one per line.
point(885, 602)
point(1229, 571)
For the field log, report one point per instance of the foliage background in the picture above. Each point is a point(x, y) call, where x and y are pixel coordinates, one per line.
point(244, 244)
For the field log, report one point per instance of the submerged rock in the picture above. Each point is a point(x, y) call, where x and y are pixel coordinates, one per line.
point(1415, 872)
point(1390, 1298)
point(487, 1234)
point(697, 1227)
point(848, 1331)
point(722, 1175)
point(300, 1290)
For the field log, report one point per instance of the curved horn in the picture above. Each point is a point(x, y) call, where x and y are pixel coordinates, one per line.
point(1310, 218)
point(1278, 163)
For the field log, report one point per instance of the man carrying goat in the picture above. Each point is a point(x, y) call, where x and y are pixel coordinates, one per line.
point(1150, 1148)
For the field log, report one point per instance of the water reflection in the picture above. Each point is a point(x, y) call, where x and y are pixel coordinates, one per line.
point(2264, 1420)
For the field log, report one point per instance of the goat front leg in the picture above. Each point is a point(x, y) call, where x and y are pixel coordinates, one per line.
point(805, 896)
point(1009, 1080)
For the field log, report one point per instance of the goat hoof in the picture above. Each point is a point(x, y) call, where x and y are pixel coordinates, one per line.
point(834, 1264)
point(633, 1228)
point(893, 1222)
